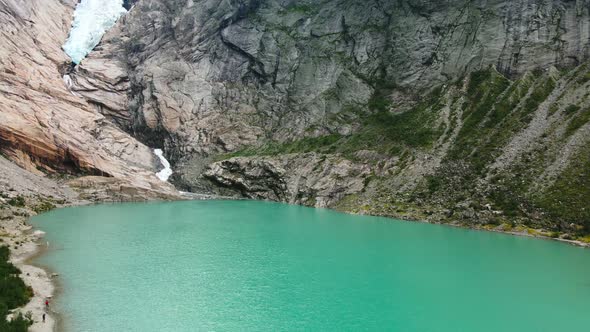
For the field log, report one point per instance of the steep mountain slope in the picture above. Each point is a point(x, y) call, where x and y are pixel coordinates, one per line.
point(455, 111)
point(485, 150)
point(210, 76)
point(43, 126)
point(459, 111)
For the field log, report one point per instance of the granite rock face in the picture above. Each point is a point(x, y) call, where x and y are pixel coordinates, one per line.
point(486, 152)
point(308, 179)
point(436, 108)
point(211, 76)
point(44, 127)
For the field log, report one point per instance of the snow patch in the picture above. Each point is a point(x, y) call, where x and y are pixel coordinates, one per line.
point(167, 171)
point(92, 19)
point(68, 82)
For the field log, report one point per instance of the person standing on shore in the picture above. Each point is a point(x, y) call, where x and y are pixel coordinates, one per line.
point(46, 304)
point(43, 317)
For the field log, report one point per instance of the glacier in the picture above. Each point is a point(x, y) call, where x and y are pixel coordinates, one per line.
point(92, 18)
point(167, 171)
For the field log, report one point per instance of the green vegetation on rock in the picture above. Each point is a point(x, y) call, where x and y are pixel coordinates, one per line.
point(44, 206)
point(18, 201)
point(567, 199)
point(381, 131)
point(485, 88)
point(470, 133)
point(577, 121)
point(13, 294)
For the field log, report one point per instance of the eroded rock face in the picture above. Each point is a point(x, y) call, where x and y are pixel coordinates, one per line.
point(309, 179)
point(211, 76)
point(43, 125)
point(206, 77)
point(201, 78)
point(110, 189)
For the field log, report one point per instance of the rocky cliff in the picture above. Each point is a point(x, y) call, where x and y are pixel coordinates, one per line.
point(44, 127)
point(212, 76)
point(459, 111)
point(455, 111)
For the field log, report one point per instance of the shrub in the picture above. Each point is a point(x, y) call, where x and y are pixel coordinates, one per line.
point(584, 78)
point(571, 109)
point(17, 201)
point(567, 198)
point(301, 8)
point(434, 183)
point(577, 122)
point(13, 294)
point(379, 103)
point(44, 207)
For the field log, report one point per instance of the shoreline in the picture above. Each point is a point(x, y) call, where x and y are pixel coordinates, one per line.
point(523, 233)
point(58, 319)
point(41, 278)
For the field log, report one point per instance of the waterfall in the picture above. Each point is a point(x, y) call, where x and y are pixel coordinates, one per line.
point(167, 171)
point(92, 19)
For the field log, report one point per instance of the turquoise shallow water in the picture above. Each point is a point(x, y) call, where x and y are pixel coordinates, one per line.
point(257, 266)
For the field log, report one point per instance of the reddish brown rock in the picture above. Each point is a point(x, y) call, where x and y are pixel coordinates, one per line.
point(43, 125)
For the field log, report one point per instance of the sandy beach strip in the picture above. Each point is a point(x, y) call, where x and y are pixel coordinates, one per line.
point(36, 277)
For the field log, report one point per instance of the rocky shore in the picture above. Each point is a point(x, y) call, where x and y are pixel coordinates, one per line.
point(38, 279)
point(24, 195)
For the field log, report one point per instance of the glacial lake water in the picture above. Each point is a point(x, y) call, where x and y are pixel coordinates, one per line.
point(259, 266)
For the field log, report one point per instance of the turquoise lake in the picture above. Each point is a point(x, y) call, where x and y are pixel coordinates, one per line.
point(259, 266)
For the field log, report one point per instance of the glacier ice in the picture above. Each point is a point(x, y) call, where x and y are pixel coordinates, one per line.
point(167, 171)
point(92, 18)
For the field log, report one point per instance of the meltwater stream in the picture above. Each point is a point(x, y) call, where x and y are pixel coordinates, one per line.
point(92, 19)
point(166, 172)
point(256, 266)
